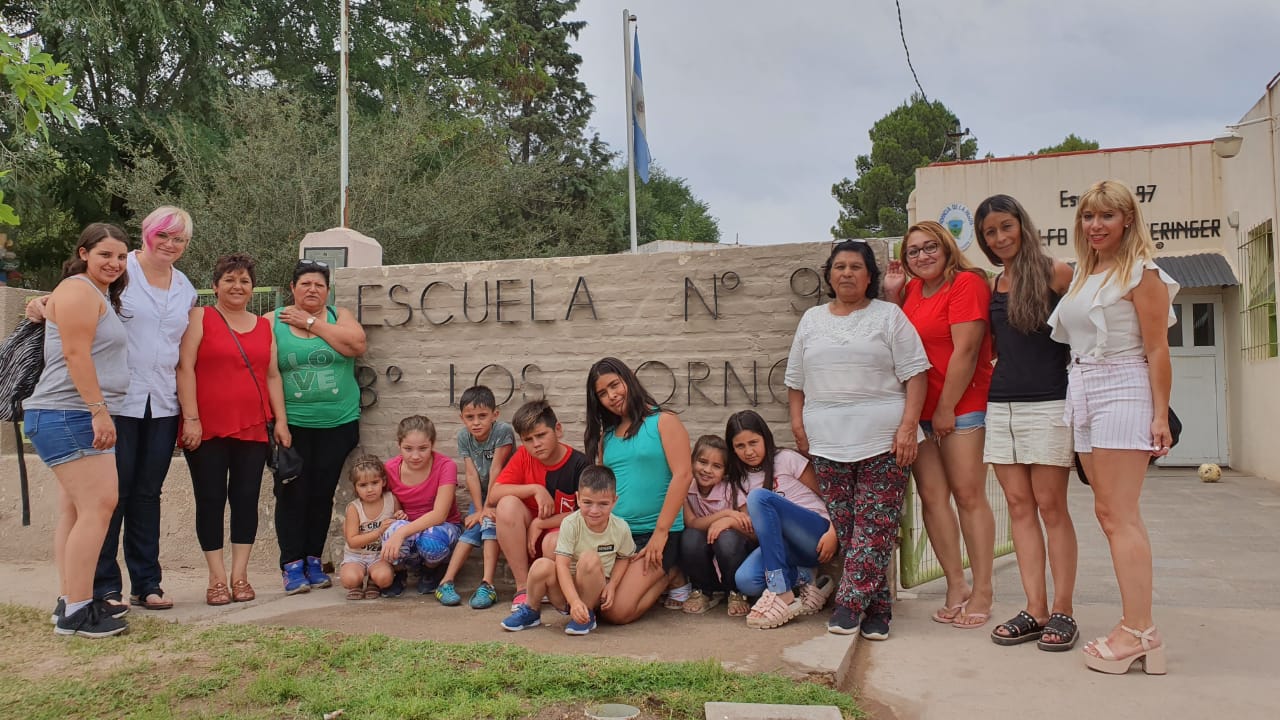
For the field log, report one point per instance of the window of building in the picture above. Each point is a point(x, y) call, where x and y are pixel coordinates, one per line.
point(1258, 266)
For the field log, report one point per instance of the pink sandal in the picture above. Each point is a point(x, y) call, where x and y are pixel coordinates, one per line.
point(1150, 654)
point(771, 612)
point(813, 596)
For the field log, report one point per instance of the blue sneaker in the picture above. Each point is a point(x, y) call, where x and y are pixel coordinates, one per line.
point(314, 570)
point(429, 578)
point(523, 618)
point(484, 597)
point(447, 595)
point(295, 578)
point(396, 588)
point(576, 628)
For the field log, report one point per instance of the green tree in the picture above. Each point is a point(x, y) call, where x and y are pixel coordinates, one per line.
point(911, 136)
point(666, 209)
point(34, 95)
point(430, 185)
point(535, 73)
point(1070, 143)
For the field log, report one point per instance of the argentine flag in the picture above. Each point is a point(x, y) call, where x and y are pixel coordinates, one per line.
point(641, 149)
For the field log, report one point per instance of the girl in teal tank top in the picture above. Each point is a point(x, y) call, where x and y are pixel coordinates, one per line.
point(648, 451)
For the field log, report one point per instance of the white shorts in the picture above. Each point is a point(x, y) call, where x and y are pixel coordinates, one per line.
point(1028, 433)
point(1109, 403)
point(364, 560)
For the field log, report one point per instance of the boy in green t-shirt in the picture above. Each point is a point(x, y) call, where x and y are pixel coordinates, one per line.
point(592, 554)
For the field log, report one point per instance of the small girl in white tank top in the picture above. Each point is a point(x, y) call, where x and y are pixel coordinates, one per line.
point(364, 573)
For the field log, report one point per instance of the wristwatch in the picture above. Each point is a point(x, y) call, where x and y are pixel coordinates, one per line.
point(310, 321)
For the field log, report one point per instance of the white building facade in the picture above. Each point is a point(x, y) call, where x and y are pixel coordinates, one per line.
point(1212, 208)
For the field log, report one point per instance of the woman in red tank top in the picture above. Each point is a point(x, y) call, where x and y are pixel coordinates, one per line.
point(229, 387)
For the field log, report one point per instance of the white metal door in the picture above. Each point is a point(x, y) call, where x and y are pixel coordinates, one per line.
point(1198, 356)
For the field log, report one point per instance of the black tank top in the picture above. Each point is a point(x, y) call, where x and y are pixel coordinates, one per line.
point(1030, 367)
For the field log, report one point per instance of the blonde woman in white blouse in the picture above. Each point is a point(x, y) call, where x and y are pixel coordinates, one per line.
point(1115, 317)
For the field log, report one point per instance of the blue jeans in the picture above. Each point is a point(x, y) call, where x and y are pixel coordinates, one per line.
point(788, 536)
point(144, 448)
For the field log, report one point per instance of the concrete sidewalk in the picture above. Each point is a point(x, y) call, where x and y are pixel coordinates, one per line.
point(1217, 603)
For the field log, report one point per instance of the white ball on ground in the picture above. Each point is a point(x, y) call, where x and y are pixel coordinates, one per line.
point(1210, 473)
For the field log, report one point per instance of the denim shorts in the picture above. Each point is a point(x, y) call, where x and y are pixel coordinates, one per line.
point(968, 421)
point(61, 436)
point(481, 532)
point(670, 553)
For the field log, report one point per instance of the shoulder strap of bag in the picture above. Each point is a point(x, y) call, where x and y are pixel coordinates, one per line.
point(244, 356)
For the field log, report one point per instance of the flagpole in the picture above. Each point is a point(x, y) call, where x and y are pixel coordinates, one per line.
point(628, 71)
point(343, 156)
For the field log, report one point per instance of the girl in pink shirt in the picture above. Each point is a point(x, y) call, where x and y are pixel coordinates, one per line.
point(424, 481)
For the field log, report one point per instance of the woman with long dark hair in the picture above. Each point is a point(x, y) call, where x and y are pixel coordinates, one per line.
point(1028, 442)
point(647, 448)
point(68, 418)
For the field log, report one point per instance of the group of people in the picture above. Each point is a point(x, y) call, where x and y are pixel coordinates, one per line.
point(134, 367)
point(932, 371)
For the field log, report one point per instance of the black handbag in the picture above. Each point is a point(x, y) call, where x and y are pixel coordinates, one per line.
point(1175, 432)
point(285, 462)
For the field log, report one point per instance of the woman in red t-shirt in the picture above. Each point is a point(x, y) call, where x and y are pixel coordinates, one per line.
point(229, 388)
point(948, 301)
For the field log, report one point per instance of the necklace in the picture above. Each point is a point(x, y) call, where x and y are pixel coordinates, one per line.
point(756, 469)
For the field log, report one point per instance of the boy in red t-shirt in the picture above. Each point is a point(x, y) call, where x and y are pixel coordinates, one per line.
point(535, 491)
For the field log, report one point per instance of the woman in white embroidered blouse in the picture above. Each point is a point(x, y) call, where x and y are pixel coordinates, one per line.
point(856, 383)
point(1116, 317)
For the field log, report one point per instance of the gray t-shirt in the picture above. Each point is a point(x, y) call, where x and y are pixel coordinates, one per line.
point(110, 353)
point(481, 453)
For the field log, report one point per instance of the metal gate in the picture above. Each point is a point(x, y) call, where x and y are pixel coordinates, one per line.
point(917, 563)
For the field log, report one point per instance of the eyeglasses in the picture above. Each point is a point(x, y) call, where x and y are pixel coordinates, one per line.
point(308, 262)
point(928, 249)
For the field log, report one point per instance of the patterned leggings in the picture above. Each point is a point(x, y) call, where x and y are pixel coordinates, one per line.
point(865, 501)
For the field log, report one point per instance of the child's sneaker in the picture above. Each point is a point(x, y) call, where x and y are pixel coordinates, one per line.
point(429, 578)
point(576, 628)
point(447, 595)
point(523, 618)
point(59, 610)
point(484, 597)
point(396, 588)
point(89, 621)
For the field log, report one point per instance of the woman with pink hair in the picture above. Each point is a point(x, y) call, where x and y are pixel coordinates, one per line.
point(155, 305)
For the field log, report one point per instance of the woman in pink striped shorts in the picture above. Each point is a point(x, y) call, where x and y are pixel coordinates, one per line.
point(1115, 317)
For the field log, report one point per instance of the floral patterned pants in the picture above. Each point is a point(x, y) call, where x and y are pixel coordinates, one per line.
point(864, 499)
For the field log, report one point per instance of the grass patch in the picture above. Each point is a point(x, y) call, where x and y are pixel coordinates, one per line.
point(163, 670)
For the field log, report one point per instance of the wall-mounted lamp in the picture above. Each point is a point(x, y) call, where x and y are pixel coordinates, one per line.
point(1227, 145)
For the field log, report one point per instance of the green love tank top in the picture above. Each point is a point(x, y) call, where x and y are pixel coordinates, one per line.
point(319, 382)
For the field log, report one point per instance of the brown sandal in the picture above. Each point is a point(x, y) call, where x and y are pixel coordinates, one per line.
point(355, 593)
point(242, 591)
point(217, 595)
point(739, 606)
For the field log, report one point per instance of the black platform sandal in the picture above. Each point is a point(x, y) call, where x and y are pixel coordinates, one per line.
point(1022, 628)
point(1060, 626)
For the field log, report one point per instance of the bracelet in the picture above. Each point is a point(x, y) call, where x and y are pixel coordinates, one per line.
point(192, 419)
point(97, 404)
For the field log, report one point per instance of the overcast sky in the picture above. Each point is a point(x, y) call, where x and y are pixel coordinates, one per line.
point(763, 111)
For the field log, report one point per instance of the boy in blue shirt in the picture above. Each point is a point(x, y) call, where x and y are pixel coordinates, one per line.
point(484, 445)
